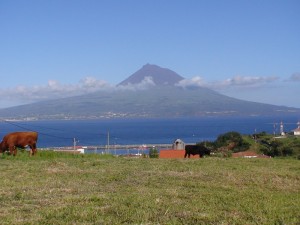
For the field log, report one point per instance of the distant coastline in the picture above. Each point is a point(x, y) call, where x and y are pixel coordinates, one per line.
point(110, 115)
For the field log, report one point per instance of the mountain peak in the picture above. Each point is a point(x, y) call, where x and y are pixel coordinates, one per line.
point(160, 76)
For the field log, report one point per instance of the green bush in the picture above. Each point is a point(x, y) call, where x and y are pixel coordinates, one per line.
point(233, 140)
point(288, 146)
point(153, 152)
point(267, 144)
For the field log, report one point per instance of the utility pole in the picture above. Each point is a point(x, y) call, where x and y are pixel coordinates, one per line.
point(74, 144)
point(255, 140)
point(107, 142)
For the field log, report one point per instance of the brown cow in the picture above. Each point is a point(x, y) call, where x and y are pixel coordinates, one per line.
point(15, 140)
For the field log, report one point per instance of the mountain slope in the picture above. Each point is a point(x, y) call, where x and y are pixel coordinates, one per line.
point(155, 102)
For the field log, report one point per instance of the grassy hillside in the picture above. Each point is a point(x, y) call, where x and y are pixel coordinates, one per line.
point(57, 188)
point(262, 143)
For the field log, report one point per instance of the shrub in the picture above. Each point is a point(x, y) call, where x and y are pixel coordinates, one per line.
point(233, 140)
point(153, 152)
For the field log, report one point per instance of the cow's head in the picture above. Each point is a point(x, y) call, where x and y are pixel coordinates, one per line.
point(204, 150)
point(207, 151)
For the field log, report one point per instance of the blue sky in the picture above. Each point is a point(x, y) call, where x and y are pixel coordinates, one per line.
point(245, 49)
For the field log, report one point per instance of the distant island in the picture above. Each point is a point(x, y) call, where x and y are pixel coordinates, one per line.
point(151, 92)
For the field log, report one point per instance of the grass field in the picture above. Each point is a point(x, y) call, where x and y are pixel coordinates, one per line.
point(56, 188)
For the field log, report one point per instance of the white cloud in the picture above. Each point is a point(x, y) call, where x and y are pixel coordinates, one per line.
point(295, 77)
point(146, 83)
point(92, 83)
point(236, 81)
point(53, 89)
point(248, 81)
point(195, 81)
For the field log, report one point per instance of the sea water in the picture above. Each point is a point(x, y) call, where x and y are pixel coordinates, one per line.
point(63, 133)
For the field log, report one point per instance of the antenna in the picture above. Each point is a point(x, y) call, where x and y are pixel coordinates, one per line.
point(74, 143)
point(107, 142)
point(281, 128)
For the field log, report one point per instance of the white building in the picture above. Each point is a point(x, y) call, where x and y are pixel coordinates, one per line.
point(297, 130)
point(178, 144)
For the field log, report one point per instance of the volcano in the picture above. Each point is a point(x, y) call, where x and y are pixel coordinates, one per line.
point(158, 75)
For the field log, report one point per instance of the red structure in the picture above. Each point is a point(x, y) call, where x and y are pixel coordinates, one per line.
point(174, 154)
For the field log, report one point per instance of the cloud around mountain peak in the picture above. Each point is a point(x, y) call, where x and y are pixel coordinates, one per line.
point(146, 77)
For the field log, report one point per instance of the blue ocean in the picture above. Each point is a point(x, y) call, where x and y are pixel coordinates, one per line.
point(61, 133)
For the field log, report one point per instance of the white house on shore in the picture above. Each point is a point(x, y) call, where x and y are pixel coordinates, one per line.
point(297, 130)
point(178, 144)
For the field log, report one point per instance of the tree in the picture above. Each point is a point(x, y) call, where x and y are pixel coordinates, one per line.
point(233, 141)
point(153, 152)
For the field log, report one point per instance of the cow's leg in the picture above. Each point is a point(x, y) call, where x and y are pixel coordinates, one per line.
point(185, 154)
point(32, 149)
point(13, 150)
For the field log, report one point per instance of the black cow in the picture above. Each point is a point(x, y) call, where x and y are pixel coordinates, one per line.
point(196, 150)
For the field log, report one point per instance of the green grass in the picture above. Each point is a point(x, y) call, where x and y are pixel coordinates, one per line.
point(56, 188)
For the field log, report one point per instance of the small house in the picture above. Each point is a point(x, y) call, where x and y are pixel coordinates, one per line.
point(297, 130)
point(178, 145)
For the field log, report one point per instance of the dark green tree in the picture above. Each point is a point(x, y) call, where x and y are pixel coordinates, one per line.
point(233, 140)
point(153, 152)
